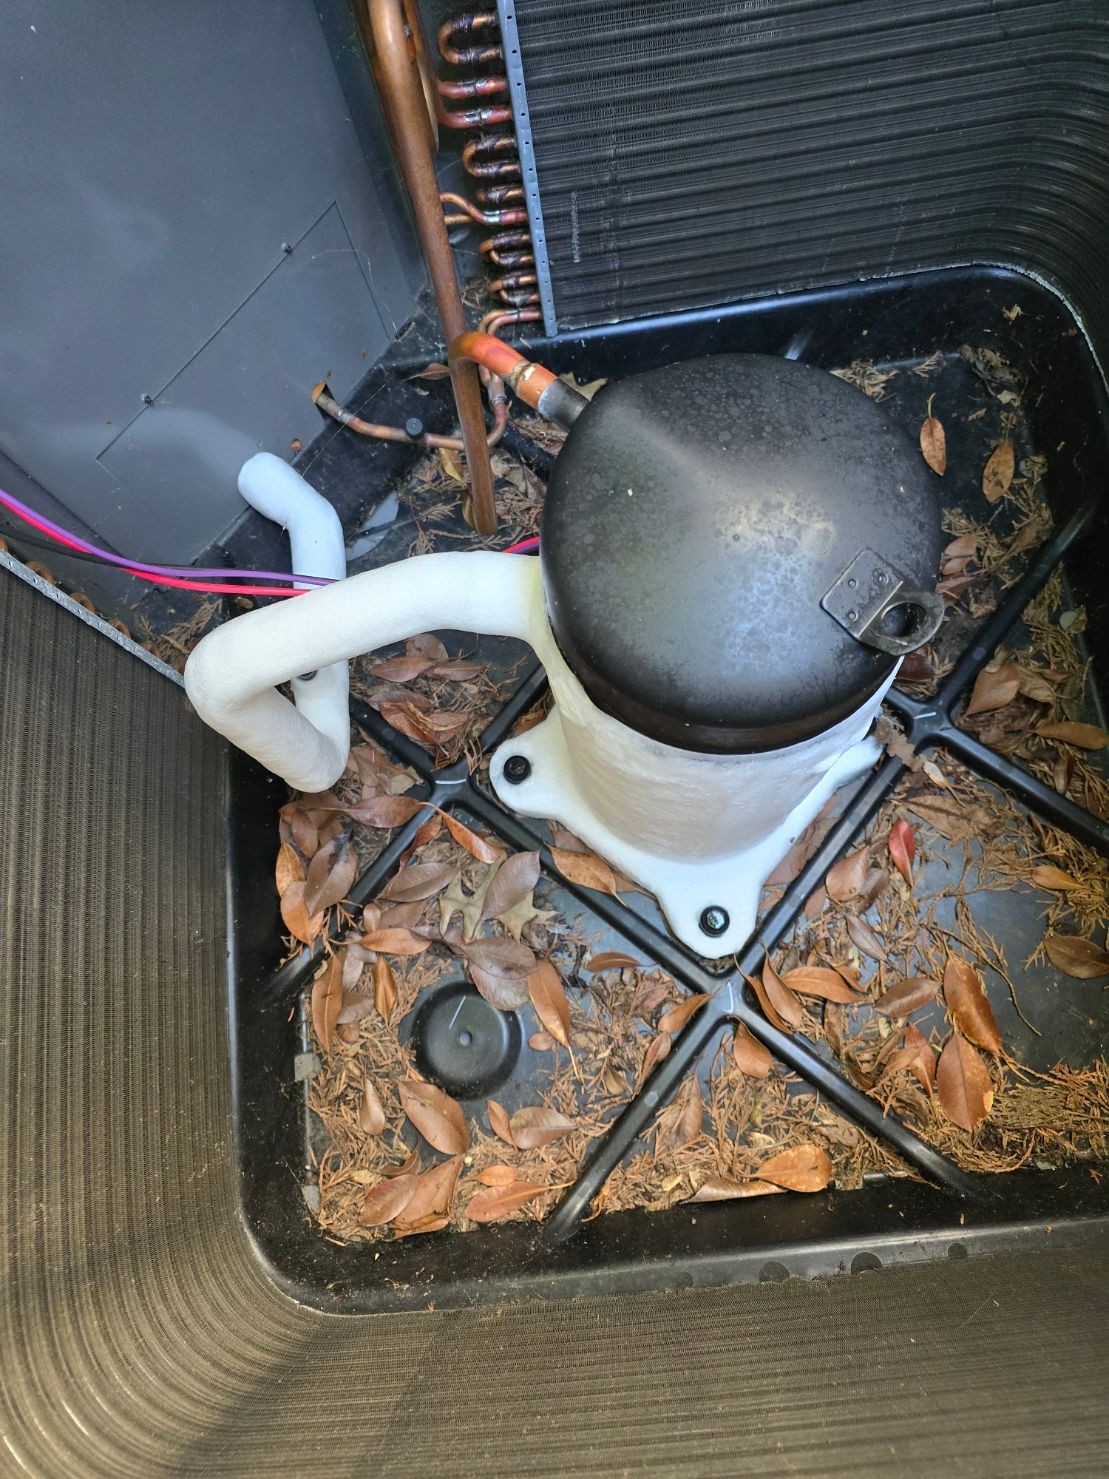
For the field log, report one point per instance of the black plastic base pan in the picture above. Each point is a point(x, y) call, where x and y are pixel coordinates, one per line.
point(955, 1214)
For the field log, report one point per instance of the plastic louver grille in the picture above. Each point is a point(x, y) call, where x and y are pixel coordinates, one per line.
point(697, 153)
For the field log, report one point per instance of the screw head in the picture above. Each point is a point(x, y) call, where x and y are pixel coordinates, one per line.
point(414, 427)
point(852, 616)
point(517, 768)
point(714, 920)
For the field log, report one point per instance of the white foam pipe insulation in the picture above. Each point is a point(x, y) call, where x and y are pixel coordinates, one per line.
point(693, 828)
point(317, 548)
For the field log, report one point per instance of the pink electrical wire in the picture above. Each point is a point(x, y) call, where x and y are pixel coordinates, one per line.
point(178, 576)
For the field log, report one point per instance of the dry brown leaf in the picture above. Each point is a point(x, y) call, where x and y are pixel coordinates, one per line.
point(499, 968)
point(1077, 957)
point(1047, 875)
point(459, 669)
point(327, 1001)
point(401, 669)
point(476, 845)
point(299, 828)
point(993, 689)
point(297, 920)
point(680, 1123)
point(915, 1056)
point(289, 868)
point(933, 442)
point(963, 1084)
point(434, 371)
point(330, 874)
point(385, 988)
point(781, 998)
point(846, 878)
point(968, 1004)
point(749, 1054)
point(371, 1112)
point(657, 1049)
point(902, 849)
point(548, 997)
point(541, 1042)
point(501, 1201)
point(907, 996)
point(724, 1189)
point(818, 980)
point(396, 941)
point(1085, 736)
point(511, 884)
point(499, 1175)
point(429, 645)
point(801, 1168)
point(385, 811)
point(864, 938)
point(998, 471)
point(536, 1125)
point(676, 1018)
point(421, 881)
point(610, 960)
point(585, 869)
point(386, 1200)
point(429, 1208)
point(437, 1116)
point(499, 1122)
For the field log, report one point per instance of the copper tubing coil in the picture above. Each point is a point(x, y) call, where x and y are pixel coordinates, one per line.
point(498, 404)
point(465, 26)
point(515, 217)
point(475, 160)
point(504, 241)
point(473, 87)
point(511, 288)
point(499, 194)
point(503, 318)
point(395, 33)
point(513, 260)
point(473, 117)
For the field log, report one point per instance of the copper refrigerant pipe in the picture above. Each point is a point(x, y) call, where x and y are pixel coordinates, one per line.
point(403, 99)
point(502, 318)
point(536, 386)
point(498, 195)
point(417, 437)
point(466, 25)
point(516, 217)
point(476, 163)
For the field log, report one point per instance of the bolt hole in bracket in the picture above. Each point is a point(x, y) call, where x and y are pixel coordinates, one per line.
point(878, 606)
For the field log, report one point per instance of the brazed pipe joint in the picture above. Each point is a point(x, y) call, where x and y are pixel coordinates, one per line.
point(479, 157)
point(536, 386)
point(465, 26)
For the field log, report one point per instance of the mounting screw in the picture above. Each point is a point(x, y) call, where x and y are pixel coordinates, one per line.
point(852, 616)
point(414, 427)
point(148, 400)
point(714, 920)
point(287, 248)
point(517, 768)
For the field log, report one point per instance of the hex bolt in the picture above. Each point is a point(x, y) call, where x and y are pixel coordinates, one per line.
point(517, 768)
point(714, 920)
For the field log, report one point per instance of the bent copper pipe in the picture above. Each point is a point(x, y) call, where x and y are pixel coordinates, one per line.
point(403, 99)
point(535, 385)
point(472, 87)
point(504, 241)
point(498, 403)
point(466, 25)
point(483, 218)
point(499, 194)
point(475, 159)
point(501, 318)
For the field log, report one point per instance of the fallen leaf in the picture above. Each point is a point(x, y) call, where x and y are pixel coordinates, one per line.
point(401, 669)
point(297, 920)
point(864, 938)
point(436, 1115)
point(965, 547)
point(998, 471)
point(902, 849)
point(429, 1208)
point(386, 1200)
point(410, 1163)
point(749, 1054)
point(915, 1056)
point(541, 1042)
point(501, 1201)
point(536, 1125)
point(385, 988)
point(330, 874)
point(993, 689)
point(724, 1189)
point(680, 1123)
point(1085, 736)
point(475, 845)
point(676, 1018)
point(657, 1049)
point(434, 371)
point(846, 878)
point(511, 884)
point(968, 1004)
point(818, 980)
point(327, 1001)
point(610, 960)
point(300, 828)
point(459, 669)
point(907, 996)
point(384, 811)
point(1047, 875)
point(421, 881)
point(429, 645)
point(1077, 957)
point(780, 1007)
point(289, 867)
point(451, 466)
point(371, 1112)
point(499, 1175)
point(801, 1168)
point(548, 997)
point(933, 442)
point(1036, 687)
point(963, 1084)
point(396, 941)
point(499, 968)
point(585, 869)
